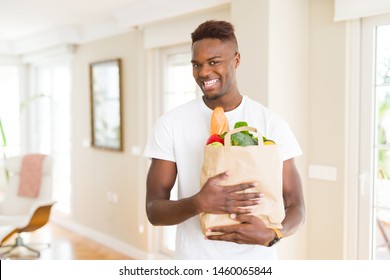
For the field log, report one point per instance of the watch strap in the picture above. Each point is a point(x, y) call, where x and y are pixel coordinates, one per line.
point(278, 232)
point(277, 238)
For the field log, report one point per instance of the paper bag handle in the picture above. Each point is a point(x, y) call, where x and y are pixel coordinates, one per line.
point(228, 135)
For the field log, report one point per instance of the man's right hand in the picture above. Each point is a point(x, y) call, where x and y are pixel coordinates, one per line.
point(216, 198)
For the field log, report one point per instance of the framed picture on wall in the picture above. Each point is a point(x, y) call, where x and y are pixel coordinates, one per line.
point(106, 105)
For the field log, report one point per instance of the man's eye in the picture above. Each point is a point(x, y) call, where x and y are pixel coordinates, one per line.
point(195, 66)
point(213, 62)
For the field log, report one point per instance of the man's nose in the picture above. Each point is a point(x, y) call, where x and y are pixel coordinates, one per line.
point(204, 71)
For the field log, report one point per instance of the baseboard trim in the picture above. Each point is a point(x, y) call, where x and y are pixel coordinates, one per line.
point(117, 245)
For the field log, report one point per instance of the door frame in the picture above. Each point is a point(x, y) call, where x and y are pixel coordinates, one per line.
point(360, 137)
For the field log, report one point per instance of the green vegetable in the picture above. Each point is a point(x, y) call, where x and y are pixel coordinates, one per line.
point(243, 138)
point(240, 124)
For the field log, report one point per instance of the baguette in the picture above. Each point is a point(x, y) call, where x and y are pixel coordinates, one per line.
point(219, 123)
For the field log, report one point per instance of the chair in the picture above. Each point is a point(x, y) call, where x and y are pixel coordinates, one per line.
point(383, 216)
point(20, 213)
point(384, 229)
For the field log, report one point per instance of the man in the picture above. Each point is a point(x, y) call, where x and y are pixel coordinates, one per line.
point(176, 150)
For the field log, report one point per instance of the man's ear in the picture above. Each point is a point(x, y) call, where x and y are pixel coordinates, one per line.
point(237, 59)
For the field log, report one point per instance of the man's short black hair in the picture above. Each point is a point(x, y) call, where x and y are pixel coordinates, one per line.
point(213, 29)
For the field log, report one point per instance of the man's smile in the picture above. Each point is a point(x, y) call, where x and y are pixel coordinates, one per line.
point(210, 83)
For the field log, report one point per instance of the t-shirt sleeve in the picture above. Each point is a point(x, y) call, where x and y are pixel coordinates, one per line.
point(160, 141)
point(283, 136)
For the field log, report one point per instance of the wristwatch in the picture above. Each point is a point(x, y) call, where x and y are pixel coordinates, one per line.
point(277, 238)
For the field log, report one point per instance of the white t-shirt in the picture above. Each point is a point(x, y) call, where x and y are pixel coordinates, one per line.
point(180, 136)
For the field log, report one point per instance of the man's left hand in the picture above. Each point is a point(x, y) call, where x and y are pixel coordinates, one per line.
point(251, 230)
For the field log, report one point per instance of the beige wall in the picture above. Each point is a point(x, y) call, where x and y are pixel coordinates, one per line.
point(96, 172)
point(288, 89)
point(253, 37)
point(327, 118)
point(293, 60)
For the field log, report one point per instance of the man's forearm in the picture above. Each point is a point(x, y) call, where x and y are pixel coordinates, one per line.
point(295, 217)
point(162, 212)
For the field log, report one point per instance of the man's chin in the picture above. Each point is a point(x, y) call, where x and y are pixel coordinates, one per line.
point(212, 96)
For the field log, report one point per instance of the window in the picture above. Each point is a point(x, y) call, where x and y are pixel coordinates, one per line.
point(9, 109)
point(179, 87)
point(374, 156)
point(9, 115)
point(49, 126)
point(382, 143)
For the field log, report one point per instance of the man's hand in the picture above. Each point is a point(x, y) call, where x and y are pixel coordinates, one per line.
point(217, 199)
point(251, 230)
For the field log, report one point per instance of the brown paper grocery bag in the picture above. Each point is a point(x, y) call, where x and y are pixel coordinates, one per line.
point(261, 163)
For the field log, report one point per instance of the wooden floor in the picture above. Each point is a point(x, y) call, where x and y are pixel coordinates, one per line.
point(64, 245)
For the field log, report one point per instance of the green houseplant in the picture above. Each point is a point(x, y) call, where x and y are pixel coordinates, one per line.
point(3, 145)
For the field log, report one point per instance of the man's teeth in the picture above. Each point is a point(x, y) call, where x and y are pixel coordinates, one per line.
point(210, 82)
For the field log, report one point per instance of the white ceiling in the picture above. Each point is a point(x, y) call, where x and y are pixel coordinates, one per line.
point(28, 25)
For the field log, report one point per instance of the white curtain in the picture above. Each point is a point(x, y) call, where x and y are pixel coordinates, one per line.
point(353, 9)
